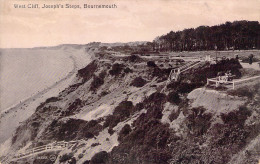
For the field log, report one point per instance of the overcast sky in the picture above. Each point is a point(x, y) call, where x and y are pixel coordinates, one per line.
point(133, 20)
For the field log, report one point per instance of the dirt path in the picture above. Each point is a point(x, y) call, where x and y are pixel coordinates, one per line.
point(11, 118)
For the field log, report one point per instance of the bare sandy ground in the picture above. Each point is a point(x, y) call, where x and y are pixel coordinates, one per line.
point(10, 119)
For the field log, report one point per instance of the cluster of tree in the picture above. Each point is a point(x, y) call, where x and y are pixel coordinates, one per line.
point(229, 36)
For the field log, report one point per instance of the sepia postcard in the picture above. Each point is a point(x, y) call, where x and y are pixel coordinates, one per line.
point(129, 82)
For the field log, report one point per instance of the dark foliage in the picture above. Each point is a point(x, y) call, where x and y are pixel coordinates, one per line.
point(138, 82)
point(162, 74)
point(116, 69)
point(66, 157)
point(242, 92)
point(103, 93)
point(174, 115)
point(121, 112)
point(199, 76)
point(228, 135)
point(134, 58)
point(96, 83)
point(187, 87)
point(72, 129)
point(198, 121)
point(99, 158)
point(237, 35)
point(72, 109)
point(147, 141)
point(250, 60)
point(128, 70)
point(236, 117)
point(72, 88)
point(173, 97)
point(52, 99)
point(151, 64)
point(124, 132)
point(87, 72)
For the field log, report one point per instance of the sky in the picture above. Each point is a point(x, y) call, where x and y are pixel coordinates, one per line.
point(132, 20)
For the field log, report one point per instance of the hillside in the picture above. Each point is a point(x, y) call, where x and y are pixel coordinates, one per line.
point(121, 110)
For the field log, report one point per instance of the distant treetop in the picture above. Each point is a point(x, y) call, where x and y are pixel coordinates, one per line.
point(229, 36)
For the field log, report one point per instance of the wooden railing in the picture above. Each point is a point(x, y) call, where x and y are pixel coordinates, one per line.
point(55, 146)
point(222, 80)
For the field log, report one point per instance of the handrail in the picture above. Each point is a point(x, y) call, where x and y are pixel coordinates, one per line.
point(55, 145)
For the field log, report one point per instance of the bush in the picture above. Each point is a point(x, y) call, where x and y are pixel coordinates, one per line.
point(124, 131)
point(186, 88)
point(151, 64)
point(87, 72)
point(72, 129)
point(52, 99)
point(123, 109)
point(116, 69)
point(121, 112)
point(99, 158)
point(73, 107)
point(248, 60)
point(198, 121)
point(111, 121)
point(103, 93)
point(174, 115)
point(236, 117)
point(66, 157)
point(138, 82)
point(96, 83)
point(134, 58)
point(173, 97)
point(80, 156)
point(128, 70)
point(242, 92)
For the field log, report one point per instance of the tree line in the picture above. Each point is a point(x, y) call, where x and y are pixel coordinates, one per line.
point(238, 35)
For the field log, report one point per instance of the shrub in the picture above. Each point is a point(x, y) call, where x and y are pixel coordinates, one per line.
point(121, 112)
point(52, 99)
point(174, 115)
point(111, 121)
point(116, 69)
point(128, 70)
point(248, 60)
point(155, 100)
point(66, 157)
point(87, 72)
point(124, 131)
point(198, 121)
point(72, 129)
point(103, 93)
point(186, 88)
point(236, 117)
point(151, 64)
point(102, 75)
point(123, 109)
point(134, 58)
point(173, 97)
point(80, 155)
point(73, 107)
point(96, 83)
point(99, 158)
point(242, 92)
point(138, 82)
point(88, 135)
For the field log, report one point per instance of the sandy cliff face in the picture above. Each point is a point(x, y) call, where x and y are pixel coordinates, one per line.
point(118, 112)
